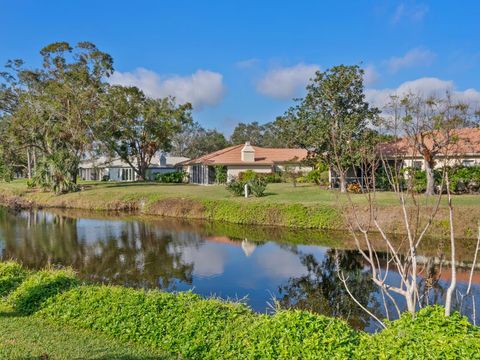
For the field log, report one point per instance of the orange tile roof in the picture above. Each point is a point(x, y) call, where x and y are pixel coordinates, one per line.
point(263, 156)
point(468, 142)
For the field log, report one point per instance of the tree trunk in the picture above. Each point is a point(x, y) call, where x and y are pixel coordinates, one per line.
point(430, 190)
point(29, 164)
point(142, 172)
point(343, 182)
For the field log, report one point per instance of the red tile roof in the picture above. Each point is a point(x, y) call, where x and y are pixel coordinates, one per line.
point(467, 143)
point(263, 156)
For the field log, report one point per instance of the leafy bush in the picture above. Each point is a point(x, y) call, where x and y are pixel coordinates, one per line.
point(465, 179)
point(430, 335)
point(271, 178)
point(194, 328)
point(11, 276)
point(220, 174)
point(248, 175)
point(316, 176)
point(236, 187)
point(300, 335)
point(175, 177)
point(38, 287)
point(258, 187)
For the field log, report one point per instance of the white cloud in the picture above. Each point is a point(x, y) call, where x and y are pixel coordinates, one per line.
point(415, 57)
point(427, 86)
point(202, 88)
point(371, 75)
point(412, 12)
point(278, 263)
point(208, 260)
point(286, 82)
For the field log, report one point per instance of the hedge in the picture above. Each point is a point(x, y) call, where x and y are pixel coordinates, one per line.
point(186, 325)
point(12, 275)
point(199, 328)
point(30, 295)
point(430, 335)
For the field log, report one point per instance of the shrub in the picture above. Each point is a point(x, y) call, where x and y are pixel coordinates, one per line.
point(258, 187)
point(236, 187)
point(11, 276)
point(430, 335)
point(38, 287)
point(220, 174)
point(419, 179)
point(465, 179)
point(271, 178)
point(194, 328)
point(248, 175)
point(300, 335)
point(175, 177)
point(313, 177)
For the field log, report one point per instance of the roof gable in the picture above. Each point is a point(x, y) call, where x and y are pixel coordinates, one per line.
point(263, 156)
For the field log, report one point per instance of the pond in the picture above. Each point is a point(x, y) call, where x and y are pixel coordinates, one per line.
point(265, 267)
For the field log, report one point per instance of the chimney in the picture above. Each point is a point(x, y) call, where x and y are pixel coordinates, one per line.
point(248, 153)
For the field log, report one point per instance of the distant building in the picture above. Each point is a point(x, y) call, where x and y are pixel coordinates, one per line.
point(464, 151)
point(116, 169)
point(240, 158)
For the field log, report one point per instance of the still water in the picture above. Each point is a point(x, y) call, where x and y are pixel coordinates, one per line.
point(264, 267)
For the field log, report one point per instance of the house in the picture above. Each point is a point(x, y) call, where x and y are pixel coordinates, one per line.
point(464, 151)
point(116, 169)
point(240, 158)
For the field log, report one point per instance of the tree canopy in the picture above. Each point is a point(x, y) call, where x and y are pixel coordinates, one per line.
point(195, 141)
point(50, 111)
point(136, 127)
point(54, 115)
point(332, 120)
point(267, 135)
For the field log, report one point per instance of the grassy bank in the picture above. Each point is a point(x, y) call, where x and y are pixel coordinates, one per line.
point(189, 326)
point(304, 206)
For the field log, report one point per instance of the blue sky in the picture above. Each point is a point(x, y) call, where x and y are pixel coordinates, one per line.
point(245, 60)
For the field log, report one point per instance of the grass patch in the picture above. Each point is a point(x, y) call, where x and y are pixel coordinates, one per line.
point(34, 338)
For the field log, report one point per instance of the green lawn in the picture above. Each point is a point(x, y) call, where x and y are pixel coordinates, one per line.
point(95, 193)
point(33, 338)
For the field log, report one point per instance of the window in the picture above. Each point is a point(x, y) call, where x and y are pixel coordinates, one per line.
point(417, 165)
point(468, 163)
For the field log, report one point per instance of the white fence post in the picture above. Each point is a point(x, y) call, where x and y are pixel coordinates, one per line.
point(246, 190)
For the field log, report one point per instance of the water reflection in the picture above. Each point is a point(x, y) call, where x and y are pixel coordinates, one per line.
point(321, 290)
point(229, 261)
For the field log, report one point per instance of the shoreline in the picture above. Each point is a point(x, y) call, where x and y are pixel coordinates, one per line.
point(199, 203)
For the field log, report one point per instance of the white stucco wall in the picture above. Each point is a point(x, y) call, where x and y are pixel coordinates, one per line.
point(465, 161)
point(295, 168)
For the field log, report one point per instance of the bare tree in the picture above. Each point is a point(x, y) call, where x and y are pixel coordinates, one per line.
point(438, 145)
point(429, 125)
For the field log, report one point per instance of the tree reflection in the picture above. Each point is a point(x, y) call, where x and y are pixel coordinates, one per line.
point(141, 255)
point(320, 289)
